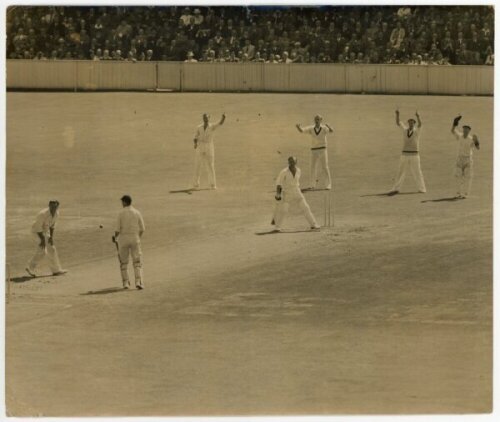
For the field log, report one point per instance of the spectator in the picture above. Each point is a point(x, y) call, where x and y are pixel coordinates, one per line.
point(198, 17)
point(190, 57)
point(286, 59)
point(249, 49)
point(489, 57)
point(397, 36)
point(186, 16)
point(321, 33)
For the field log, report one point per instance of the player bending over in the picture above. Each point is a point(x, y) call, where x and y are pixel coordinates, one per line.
point(43, 228)
point(319, 153)
point(288, 193)
point(410, 157)
point(463, 165)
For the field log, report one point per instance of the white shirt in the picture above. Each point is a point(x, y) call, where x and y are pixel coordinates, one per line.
point(318, 138)
point(465, 146)
point(44, 221)
point(411, 140)
point(288, 182)
point(205, 137)
point(130, 222)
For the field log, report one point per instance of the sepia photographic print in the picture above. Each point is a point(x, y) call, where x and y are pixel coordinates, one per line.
point(262, 210)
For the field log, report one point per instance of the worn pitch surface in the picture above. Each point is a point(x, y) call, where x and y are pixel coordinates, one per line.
point(389, 311)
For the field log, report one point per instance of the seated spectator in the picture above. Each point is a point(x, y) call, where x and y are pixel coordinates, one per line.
point(186, 16)
point(198, 17)
point(249, 49)
point(190, 57)
point(131, 57)
point(286, 59)
point(257, 58)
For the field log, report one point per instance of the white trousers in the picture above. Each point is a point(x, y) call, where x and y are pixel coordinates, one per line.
point(50, 252)
point(296, 200)
point(463, 175)
point(204, 158)
point(413, 163)
point(130, 245)
point(319, 161)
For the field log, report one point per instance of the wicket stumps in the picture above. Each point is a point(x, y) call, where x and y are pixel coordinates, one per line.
point(328, 220)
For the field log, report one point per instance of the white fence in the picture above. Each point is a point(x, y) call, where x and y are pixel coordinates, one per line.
point(250, 77)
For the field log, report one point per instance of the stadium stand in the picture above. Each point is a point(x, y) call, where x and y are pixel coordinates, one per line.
point(423, 35)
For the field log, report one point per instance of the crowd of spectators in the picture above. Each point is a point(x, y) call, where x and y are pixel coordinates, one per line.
point(440, 35)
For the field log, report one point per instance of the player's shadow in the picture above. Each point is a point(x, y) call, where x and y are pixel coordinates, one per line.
point(105, 291)
point(188, 191)
point(25, 278)
point(387, 194)
point(450, 199)
point(285, 232)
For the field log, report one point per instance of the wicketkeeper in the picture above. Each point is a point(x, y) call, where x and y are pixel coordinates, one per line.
point(129, 230)
point(43, 228)
point(463, 165)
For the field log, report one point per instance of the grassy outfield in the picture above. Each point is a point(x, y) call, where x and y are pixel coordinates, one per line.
point(389, 311)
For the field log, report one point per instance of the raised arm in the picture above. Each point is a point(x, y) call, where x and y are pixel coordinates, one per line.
point(222, 119)
point(397, 118)
point(419, 122)
point(476, 141)
point(329, 128)
point(454, 125)
point(299, 128)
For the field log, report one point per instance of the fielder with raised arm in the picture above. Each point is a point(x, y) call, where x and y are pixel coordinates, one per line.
point(288, 193)
point(43, 228)
point(129, 230)
point(204, 150)
point(463, 166)
point(319, 153)
point(410, 157)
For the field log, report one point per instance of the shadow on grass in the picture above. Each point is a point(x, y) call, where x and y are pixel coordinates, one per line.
point(286, 232)
point(450, 199)
point(387, 194)
point(105, 291)
point(188, 191)
point(24, 278)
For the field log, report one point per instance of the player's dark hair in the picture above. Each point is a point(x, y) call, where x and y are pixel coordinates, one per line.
point(126, 199)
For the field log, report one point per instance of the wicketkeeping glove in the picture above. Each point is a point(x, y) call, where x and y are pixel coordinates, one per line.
point(456, 120)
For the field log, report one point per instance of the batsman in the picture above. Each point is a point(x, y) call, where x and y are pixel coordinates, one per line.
point(129, 230)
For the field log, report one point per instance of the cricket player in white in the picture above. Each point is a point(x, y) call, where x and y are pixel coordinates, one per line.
point(43, 228)
point(463, 167)
point(410, 156)
point(288, 193)
point(319, 153)
point(204, 150)
point(129, 230)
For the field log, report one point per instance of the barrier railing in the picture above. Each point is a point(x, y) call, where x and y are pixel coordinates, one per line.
point(250, 77)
